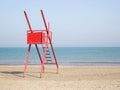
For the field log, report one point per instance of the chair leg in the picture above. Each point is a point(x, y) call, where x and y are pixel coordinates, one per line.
point(27, 57)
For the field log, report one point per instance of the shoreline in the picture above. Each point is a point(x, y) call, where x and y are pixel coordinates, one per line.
point(72, 64)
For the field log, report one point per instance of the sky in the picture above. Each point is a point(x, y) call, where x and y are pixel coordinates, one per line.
point(74, 23)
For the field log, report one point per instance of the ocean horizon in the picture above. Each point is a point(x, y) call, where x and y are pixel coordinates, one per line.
point(75, 56)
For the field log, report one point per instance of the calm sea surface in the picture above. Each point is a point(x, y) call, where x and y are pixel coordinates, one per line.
point(65, 55)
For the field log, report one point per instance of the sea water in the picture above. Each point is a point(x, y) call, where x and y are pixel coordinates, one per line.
point(65, 55)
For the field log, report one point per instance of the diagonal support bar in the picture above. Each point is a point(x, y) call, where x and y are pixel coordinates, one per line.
point(41, 59)
point(28, 54)
point(38, 53)
point(28, 21)
point(49, 38)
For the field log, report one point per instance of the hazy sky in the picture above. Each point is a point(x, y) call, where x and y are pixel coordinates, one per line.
point(81, 23)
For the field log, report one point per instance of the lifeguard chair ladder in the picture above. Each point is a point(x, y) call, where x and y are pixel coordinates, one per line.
point(43, 37)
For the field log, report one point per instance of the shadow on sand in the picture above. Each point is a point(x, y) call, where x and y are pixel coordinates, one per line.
point(15, 73)
point(20, 73)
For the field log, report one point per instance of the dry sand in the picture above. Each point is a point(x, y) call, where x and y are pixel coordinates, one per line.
point(69, 78)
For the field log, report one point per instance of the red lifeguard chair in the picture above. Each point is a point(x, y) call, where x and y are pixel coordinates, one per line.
point(43, 37)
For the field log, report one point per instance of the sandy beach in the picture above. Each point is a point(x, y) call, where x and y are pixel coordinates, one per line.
point(68, 78)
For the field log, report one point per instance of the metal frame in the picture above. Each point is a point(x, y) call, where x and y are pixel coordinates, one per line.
point(49, 41)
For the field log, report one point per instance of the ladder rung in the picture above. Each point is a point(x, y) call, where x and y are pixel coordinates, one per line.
point(49, 60)
point(49, 63)
point(47, 53)
point(48, 57)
